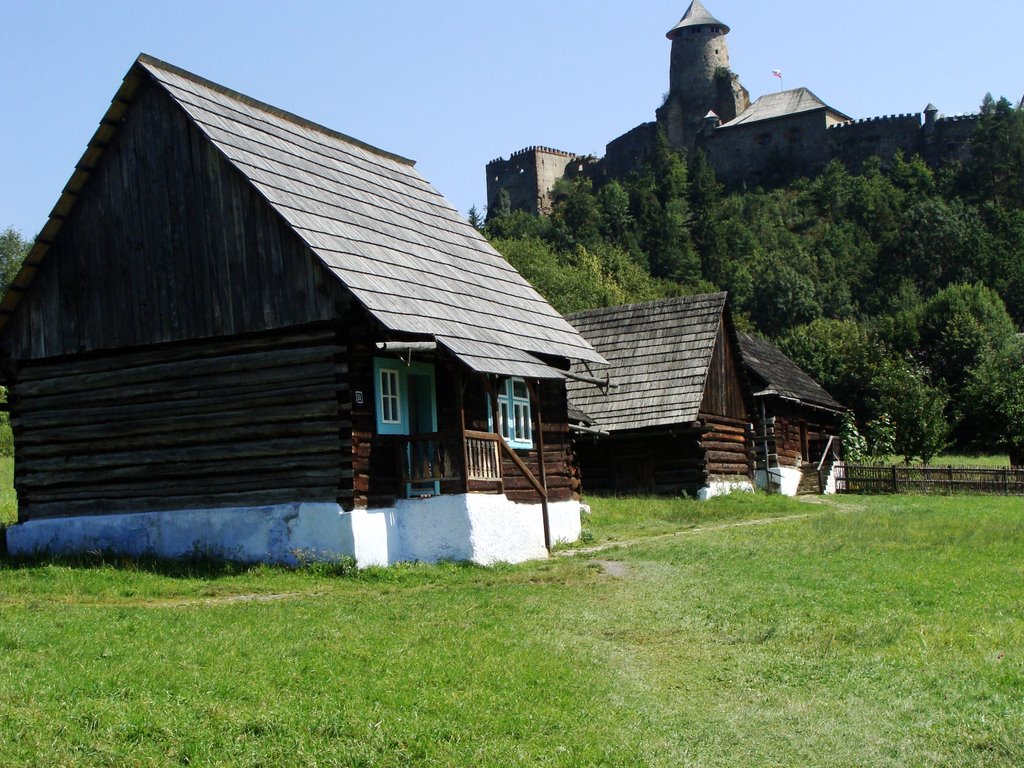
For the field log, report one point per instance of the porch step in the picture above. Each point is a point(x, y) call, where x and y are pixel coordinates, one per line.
point(808, 485)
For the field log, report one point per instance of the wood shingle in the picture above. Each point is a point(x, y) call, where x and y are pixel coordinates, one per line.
point(659, 353)
point(775, 374)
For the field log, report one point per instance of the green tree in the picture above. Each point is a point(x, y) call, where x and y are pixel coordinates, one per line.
point(995, 169)
point(13, 250)
point(841, 355)
point(917, 409)
point(995, 399)
point(576, 216)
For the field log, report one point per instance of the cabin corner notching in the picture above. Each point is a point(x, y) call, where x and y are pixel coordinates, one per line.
point(244, 335)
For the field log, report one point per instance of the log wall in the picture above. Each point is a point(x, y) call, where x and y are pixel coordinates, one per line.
point(259, 419)
point(651, 463)
point(789, 427)
point(728, 447)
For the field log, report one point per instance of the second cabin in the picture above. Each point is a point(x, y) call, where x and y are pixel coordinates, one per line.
point(678, 418)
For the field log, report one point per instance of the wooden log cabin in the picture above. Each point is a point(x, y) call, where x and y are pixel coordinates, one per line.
point(677, 418)
point(244, 335)
point(797, 423)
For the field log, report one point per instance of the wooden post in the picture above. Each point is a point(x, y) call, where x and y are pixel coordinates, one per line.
point(895, 483)
point(463, 448)
point(539, 422)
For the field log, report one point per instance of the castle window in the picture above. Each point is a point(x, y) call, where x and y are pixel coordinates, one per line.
point(794, 134)
point(764, 139)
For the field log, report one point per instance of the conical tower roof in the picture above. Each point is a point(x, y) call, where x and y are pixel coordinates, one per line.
point(696, 16)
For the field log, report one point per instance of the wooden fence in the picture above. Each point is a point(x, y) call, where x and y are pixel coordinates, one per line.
point(864, 478)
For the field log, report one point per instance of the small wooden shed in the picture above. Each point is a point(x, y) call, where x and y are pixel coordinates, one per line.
point(677, 419)
point(797, 423)
point(245, 335)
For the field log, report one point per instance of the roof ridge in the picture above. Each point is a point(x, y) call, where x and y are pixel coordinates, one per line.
point(653, 303)
point(152, 61)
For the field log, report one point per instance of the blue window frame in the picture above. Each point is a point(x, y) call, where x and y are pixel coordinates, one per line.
point(391, 400)
point(515, 416)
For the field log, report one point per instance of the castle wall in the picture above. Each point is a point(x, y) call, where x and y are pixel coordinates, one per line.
point(950, 140)
point(855, 142)
point(770, 151)
point(528, 176)
point(628, 152)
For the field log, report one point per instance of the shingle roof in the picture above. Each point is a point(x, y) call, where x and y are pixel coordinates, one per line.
point(775, 374)
point(659, 353)
point(414, 263)
point(782, 104)
point(696, 15)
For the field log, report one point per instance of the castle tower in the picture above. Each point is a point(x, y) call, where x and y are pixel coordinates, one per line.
point(699, 78)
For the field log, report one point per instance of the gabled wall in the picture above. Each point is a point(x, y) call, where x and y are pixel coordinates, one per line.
point(166, 242)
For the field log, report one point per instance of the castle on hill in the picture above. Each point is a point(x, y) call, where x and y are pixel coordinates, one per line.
point(777, 138)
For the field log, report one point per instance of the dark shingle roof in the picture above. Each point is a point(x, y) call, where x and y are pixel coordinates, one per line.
point(696, 16)
point(775, 374)
point(380, 228)
point(781, 104)
point(659, 353)
point(388, 235)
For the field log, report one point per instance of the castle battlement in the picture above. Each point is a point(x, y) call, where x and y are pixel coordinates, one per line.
point(534, 150)
point(904, 118)
point(959, 119)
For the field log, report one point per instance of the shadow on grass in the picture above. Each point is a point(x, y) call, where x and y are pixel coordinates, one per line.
point(209, 568)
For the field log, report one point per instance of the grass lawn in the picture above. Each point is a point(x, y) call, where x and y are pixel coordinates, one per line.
point(8, 499)
point(877, 631)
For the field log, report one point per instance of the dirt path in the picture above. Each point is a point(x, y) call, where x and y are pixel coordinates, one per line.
point(815, 500)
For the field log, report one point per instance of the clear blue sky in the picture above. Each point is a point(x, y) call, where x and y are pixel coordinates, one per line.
point(454, 84)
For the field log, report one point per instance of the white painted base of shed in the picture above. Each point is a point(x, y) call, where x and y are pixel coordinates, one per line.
point(724, 487)
point(785, 480)
point(483, 528)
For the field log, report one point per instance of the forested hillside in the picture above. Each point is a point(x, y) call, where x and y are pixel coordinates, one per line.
point(900, 288)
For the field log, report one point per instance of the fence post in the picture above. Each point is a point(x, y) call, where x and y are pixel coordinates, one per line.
point(1006, 481)
point(895, 483)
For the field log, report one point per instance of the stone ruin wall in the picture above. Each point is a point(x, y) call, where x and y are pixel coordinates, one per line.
point(528, 176)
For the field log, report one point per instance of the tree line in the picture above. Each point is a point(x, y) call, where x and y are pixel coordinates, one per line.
point(899, 287)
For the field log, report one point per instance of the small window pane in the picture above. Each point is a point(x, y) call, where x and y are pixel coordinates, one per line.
point(389, 397)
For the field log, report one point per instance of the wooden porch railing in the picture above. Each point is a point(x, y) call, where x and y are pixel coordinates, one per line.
point(429, 457)
point(483, 456)
point(434, 457)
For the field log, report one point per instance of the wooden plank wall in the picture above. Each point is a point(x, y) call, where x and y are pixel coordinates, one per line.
point(724, 388)
point(167, 242)
point(251, 420)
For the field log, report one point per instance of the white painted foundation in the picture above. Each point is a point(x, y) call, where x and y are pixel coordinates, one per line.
point(785, 480)
point(724, 487)
point(830, 481)
point(483, 528)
